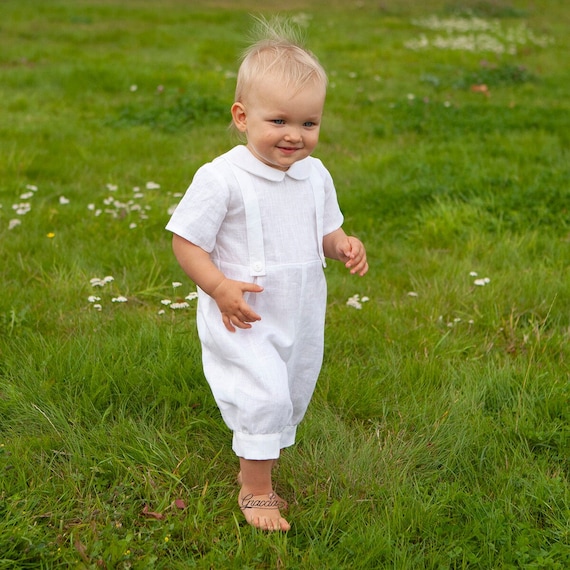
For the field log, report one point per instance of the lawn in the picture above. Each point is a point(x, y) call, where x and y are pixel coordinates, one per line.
point(439, 434)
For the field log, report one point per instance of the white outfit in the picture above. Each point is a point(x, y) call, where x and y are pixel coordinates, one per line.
point(262, 225)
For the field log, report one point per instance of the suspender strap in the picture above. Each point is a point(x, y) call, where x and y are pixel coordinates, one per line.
point(253, 223)
point(319, 196)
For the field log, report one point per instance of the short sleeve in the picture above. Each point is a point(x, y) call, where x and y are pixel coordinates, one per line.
point(200, 213)
point(333, 218)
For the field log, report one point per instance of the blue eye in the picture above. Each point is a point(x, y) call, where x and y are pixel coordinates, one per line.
point(309, 124)
point(278, 121)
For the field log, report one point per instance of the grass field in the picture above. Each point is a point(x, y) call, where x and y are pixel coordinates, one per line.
point(439, 435)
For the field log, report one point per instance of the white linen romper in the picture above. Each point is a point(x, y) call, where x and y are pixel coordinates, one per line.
point(262, 225)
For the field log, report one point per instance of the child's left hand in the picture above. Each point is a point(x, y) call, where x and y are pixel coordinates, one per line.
point(348, 249)
point(353, 254)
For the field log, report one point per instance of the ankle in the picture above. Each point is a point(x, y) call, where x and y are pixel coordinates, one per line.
point(256, 490)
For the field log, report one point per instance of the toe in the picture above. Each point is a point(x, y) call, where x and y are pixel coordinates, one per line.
point(284, 525)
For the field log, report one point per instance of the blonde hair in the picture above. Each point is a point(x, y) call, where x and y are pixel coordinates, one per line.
point(278, 52)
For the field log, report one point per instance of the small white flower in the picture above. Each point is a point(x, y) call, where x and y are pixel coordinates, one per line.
point(22, 209)
point(32, 187)
point(473, 274)
point(93, 298)
point(96, 282)
point(112, 187)
point(63, 200)
point(354, 302)
point(26, 195)
point(91, 207)
point(166, 302)
point(152, 186)
point(410, 96)
point(176, 284)
point(481, 282)
point(119, 299)
point(97, 307)
point(412, 294)
point(192, 296)
point(133, 88)
point(161, 312)
point(138, 195)
point(182, 305)
point(14, 223)
point(170, 210)
point(108, 279)
point(132, 226)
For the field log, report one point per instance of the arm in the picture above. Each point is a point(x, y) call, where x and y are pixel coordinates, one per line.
point(227, 293)
point(348, 249)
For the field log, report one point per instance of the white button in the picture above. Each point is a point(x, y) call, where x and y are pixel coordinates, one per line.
point(257, 266)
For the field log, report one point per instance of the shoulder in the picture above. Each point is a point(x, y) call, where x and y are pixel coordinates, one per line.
point(215, 178)
point(320, 170)
point(216, 170)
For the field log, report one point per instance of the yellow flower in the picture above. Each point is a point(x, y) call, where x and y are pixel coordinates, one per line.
point(51, 235)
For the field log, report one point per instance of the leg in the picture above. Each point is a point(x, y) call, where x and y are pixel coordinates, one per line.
point(282, 502)
point(257, 501)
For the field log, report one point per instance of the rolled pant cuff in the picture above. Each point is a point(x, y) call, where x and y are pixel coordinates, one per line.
point(262, 446)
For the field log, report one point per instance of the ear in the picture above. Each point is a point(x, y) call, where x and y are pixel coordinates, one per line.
point(239, 116)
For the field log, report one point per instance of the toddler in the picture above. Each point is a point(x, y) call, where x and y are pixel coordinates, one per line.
point(253, 231)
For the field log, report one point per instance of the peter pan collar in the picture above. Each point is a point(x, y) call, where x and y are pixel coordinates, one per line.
point(242, 157)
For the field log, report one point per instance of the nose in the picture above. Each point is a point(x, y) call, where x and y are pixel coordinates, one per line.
point(293, 134)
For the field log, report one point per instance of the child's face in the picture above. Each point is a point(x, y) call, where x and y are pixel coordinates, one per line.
point(281, 124)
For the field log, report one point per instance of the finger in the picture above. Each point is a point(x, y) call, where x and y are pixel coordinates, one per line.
point(361, 267)
point(354, 261)
point(251, 287)
point(250, 317)
point(240, 322)
point(242, 319)
point(347, 249)
point(245, 313)
point(228, 323)
point(364, 270)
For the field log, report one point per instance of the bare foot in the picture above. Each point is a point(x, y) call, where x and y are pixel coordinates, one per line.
point(262, 511)
point(283, 504)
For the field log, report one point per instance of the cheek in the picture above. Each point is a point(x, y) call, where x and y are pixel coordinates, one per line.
point(270, 135)
point(312, 139)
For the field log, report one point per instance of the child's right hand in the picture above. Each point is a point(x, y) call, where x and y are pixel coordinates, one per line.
point(235, 311)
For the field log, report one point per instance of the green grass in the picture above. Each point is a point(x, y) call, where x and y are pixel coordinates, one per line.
point(439, 434)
